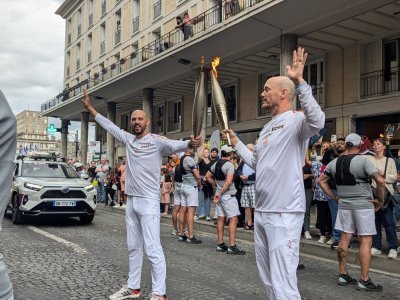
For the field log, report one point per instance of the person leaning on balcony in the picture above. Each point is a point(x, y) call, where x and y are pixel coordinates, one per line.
point(187, 26)
point(8, 141)
point(279, 153)
point(144, 154)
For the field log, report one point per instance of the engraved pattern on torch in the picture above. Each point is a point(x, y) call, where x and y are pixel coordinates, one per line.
point(218, 100)
point(199, 104)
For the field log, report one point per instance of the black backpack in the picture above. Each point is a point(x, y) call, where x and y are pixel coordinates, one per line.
point(219, 175)
point(343, 175)
point(179, 171)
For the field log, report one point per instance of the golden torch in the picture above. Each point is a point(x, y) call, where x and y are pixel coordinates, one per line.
point(199, 103)
point(219, 99)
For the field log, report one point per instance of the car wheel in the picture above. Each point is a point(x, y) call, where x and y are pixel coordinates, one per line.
point(86, 219)
point(16, 216)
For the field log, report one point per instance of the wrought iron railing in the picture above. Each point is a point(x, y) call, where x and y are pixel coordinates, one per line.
point(157, 9)
point(199, 24)
point(135, 24)
point(379, 82)
point(117, 36)
point(89, 56)
point(102, 47)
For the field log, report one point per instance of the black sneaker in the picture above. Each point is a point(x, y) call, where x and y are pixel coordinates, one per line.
point(182, 238)
point(222, 247)
point(193, 240)
point(368, 286)
point(235, 250)
point(345, 279)
point(335, 245)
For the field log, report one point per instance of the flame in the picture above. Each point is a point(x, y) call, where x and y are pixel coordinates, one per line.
point(215, 64)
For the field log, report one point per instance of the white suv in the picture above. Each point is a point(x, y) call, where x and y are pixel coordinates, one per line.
point(43, 187)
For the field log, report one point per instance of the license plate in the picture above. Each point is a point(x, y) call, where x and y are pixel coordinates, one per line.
point(64, 203)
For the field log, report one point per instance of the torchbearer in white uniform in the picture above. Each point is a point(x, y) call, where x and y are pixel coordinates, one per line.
point(144, 153)
point(278, 158)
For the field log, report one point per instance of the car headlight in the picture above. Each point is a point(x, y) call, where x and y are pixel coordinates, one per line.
point(89, 188)
point(32, 186)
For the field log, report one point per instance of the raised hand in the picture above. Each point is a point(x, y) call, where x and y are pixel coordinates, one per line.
point(295, 71)
point(86, 100)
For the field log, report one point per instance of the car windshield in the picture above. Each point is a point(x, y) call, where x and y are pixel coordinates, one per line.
point(50, 170)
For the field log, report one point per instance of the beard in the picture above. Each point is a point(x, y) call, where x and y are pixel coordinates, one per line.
point(139, 130)
point(340, 150)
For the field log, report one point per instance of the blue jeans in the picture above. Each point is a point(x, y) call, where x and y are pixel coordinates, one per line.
point(385, 218)
point(204, 207)
point(101, 192)
point(333, 207)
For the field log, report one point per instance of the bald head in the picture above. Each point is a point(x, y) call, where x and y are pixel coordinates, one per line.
point(284, 83)
point(139, 123)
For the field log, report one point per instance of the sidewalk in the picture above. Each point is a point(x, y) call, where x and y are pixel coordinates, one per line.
point(310, 247)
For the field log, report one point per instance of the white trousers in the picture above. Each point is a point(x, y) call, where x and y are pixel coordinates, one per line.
point(277, 239)
point(142, 218)
point(6, 291)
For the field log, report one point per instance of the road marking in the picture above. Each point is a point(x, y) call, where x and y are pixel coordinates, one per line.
point(74, 246)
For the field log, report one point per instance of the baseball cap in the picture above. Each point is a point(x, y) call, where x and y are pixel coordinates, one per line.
point(353, 139)
point(226, 149)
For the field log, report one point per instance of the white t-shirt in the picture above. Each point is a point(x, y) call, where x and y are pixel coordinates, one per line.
point(143, 159)
point(279, 155)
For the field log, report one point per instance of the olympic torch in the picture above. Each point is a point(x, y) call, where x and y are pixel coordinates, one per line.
point(199, 103)
point(219, 99)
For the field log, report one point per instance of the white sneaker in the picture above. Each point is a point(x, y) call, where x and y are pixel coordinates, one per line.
point(123, 206)
point(174, 232)
point(307, 235)
point(322, 239)
point(375, 251)
point(392, 254)
point(155, 296)
point(331, 241)
point(125, 293)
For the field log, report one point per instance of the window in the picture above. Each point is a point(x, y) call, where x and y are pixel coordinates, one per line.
point(118, 27)
point(79, 16)
point(314, 75)
point(78, 56)
point(126, 122)
point(67, 63)
point(89, 42)
point(135, 15)
point(102, 38)
point(69, 32)
point(90, 11)
point(209, 112)
point(103, 7)
point(158, 125)
point(157, 8)
point(230, 98)
point(391, 64)
point(174, 116)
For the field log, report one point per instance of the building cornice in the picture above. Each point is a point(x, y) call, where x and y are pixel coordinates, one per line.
point(66, 8)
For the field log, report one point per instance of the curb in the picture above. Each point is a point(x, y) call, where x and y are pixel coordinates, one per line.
point(313, 248)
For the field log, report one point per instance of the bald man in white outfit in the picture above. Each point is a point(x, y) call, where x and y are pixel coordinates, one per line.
point(144, 153)
point(8, 141)
point(278, 158)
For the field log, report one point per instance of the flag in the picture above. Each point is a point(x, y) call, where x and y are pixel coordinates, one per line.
point(215, 140)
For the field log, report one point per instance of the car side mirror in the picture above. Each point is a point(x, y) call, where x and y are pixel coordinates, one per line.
point(84, 176)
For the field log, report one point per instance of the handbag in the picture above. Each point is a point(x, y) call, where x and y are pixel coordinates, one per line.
point(388, 200)
point(114, 187)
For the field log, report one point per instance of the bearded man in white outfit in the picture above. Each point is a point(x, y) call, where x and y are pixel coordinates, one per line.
point(278, 158)
point(144, 153)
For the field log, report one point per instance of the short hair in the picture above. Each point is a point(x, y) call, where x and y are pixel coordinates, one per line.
point(214, 149)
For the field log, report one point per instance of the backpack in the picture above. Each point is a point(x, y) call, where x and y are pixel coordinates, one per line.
point(219, 175)
point(179, 171)
point(343, 175)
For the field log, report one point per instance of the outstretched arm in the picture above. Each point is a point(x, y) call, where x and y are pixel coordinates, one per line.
point(87, 104)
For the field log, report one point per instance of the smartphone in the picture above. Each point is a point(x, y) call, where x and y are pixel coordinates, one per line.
point(333, 138)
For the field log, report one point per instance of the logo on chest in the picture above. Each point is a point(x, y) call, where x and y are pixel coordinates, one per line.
point(277, 127)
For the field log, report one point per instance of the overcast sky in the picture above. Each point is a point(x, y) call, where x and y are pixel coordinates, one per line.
point(31, 53)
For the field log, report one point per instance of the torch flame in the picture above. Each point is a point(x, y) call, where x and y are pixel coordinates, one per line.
point(215, 64)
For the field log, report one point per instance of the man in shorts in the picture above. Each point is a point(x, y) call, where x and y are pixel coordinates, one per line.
point(221, 175)
point(356, 214)
point(248, 199)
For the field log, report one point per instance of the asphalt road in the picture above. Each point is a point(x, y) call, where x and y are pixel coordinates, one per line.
point(61, 259)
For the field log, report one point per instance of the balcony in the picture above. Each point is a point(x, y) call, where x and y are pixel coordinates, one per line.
point(79, 29)
point(103, 7)
point(89, 56)
point(157, 9)
point(135, 24)
point(90, 19)
point(117, 36)
point(78, 64)
point(378, 83)
point(69, 39)
point(102, 47)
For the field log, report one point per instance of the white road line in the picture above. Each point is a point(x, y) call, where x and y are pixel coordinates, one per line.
point(74, 246)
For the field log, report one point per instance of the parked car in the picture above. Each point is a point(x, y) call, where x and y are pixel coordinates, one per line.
point(44, 187)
